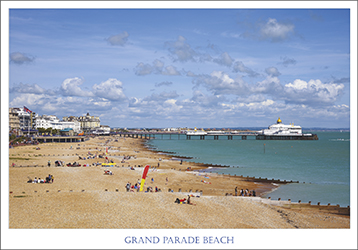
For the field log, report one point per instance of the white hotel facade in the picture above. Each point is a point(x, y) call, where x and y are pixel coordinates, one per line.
point(51, 121)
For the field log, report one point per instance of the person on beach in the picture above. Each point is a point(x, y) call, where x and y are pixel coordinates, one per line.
point(235, 191)
point(189, 202)
point(128, 186)
point(49, 163)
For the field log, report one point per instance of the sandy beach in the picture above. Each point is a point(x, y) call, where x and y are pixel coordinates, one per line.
point(84, 197)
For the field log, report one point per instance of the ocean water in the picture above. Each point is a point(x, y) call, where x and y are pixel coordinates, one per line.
point(322, 167)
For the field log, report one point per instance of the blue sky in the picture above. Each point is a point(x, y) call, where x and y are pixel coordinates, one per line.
point(183, 67)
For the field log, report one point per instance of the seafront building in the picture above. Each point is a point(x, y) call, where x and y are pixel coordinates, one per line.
point(24, 121)
point(51, 121)
point(88, 123)
point(20, 119)
point(14, 122)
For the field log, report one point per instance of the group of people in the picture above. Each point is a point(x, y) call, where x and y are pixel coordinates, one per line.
point(108, 172)
point(59, 163)
point(150, 189)
point(132, 188)
point(135, 188)
point(88, 157)
point(245, 192)
point(128, 157)
point(48, 179)
point(184, 201)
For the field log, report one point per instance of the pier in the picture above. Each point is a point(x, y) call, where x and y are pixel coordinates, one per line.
point(213, 136)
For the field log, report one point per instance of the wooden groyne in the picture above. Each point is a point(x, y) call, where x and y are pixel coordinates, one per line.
point(334, 209)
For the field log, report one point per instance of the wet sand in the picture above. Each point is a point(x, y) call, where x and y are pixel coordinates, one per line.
point(83, 197)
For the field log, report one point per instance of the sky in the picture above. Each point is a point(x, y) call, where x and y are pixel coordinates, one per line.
point(185, 67)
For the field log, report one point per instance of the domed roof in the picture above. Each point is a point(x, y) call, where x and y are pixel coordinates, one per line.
point(279, 120)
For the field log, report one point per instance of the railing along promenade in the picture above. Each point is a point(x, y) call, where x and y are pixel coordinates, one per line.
point(58, 138)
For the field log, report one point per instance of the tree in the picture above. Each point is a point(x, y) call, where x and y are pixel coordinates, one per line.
point(12, 137)
point(41, 130)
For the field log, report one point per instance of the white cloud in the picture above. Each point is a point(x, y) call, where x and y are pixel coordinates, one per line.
point(119, 39)
point(225, 78)
point(287, 61)
point(21, 58)
point(163, 104)
point(166, 83)
point(110, 90)
point(191, 74)
point(275, 31)
point(313, 92)
point(297, 85)
point(240, 67)
point(181, 50)
point(170, 70)
point(70, 87)
point(220, 83)
point(259, 105)
point(224, 59)
point(29, 100)
point(143, 69)
point(202, 101)
point(270, 85)
point(171, 106)
point(27, 88)
point(156, 67)
point(272, 71)
point(230, 34)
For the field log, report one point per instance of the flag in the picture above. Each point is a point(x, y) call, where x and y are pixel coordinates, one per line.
point(106, 150)
point(27, 110)
point(143, 177)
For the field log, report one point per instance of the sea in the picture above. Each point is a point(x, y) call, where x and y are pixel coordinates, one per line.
point(321, 167)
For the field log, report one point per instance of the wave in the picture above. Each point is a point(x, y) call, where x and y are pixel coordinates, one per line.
point(339, 139)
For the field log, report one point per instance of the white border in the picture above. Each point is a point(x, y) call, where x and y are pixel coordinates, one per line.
point(248, 239)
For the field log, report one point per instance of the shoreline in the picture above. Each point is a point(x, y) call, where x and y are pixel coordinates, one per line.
point(83, 189)
point(271, 184)
point(329, 200)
